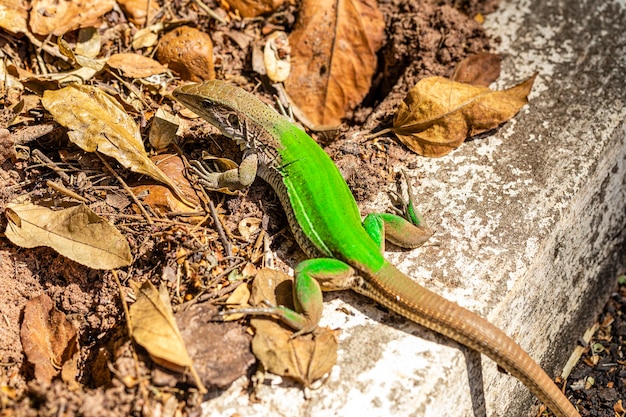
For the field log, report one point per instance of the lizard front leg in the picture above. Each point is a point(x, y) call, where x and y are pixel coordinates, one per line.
point(233, 179)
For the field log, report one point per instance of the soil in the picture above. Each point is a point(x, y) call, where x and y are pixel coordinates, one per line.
point(422, 38)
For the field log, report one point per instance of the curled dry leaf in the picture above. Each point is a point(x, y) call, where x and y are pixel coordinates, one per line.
point(155, 329)
point(98, 122)
point(76, 233)
point(276, 57)
point(59, 17)
point(306, 358)
point(254, 8)
point(438, 114)
point(333, 57)
point(49, 339)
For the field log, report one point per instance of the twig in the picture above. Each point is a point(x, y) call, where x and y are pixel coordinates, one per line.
point(209, 11)
point(49, 163)
point(220, 229)
point(127, 188)
point(67, 192)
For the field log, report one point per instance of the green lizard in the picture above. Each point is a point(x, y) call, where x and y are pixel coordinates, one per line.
point(345, 252)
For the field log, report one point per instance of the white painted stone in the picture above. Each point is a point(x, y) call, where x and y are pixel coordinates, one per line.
point(528, 224)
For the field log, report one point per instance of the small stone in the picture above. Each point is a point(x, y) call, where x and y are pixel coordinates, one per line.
point(189, 53)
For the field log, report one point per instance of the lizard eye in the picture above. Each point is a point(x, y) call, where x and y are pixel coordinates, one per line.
point(233, 120)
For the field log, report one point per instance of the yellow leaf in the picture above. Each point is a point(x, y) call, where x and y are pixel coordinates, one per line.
point(154, 328)
point(333, 60)
point(99, 123)
point(438, 114)
point(76, 232)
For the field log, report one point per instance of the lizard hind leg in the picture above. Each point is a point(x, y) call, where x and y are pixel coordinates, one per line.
point(407, 231)
point(311, 278)
point(395, 229)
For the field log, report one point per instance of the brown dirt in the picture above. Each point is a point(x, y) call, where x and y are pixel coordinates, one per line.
point(422, 38)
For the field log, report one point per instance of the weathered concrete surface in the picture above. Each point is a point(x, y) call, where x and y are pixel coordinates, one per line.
point(529, 222)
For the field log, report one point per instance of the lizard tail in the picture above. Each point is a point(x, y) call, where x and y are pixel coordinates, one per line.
point(401, 294)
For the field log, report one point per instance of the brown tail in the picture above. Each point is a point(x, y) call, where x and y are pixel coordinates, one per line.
point(396, 291)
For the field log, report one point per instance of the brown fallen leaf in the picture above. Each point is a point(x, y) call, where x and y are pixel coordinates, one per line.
point(59, 17)
point(333, 49)
point(13, 15)
point(49, 339)
point(137, 10)
point(254, 8)
point(76, 233)
point(478, 69)
point(98, 122)
point(161, 198)
point(438, 114)
point(154, 328)
point(306, 358)
point(135, 65)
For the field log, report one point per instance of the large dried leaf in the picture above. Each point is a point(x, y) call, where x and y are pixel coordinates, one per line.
point(154, 328)
point(305, 358)
point(98, 122)
point(333, 57)
point(76, 232)
point(13, 15)
point(49, 339)
point(438, 114)
point(59, 17)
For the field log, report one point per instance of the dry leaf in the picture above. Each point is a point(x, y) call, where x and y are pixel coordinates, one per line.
point(154, 328)
point(49, 339)
point(305, 358)
point(163, 129)
point(276, 57)
point(478, 69)
point(135, 65)
point(13, 15)
point(248, 226)
point(98, 122)
point(254, 8)
point(59, 17)
point(159, 197)
point(7, 146)
point(438, 114)
point(238, 299)
point(136, 10)
point(333, 57)
point(76, 233)
point(188, 52)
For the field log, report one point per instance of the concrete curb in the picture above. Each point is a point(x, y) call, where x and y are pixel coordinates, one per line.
point(529, 225)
